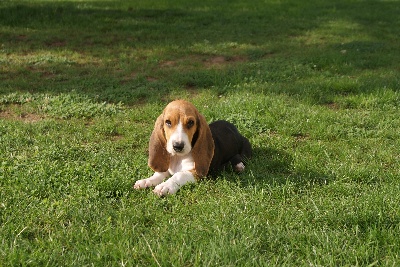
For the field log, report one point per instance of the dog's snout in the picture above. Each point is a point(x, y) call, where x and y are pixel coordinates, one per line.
point(178, 146)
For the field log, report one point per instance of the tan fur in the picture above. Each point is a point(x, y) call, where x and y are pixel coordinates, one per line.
point(202, 150)
point(159, 158)
point(183, 111)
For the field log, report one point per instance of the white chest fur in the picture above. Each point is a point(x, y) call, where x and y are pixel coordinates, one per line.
point(181, 163)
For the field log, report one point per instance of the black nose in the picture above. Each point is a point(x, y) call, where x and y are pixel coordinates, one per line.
point(178, 146)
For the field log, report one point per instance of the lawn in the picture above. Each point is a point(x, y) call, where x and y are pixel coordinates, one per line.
point(314, 85)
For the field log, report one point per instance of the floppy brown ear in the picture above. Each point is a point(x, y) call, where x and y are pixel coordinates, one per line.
point(203, 148)
point(158, 155)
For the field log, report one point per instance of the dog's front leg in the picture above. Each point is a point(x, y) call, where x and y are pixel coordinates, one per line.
point(156, 179)
point(172, 185)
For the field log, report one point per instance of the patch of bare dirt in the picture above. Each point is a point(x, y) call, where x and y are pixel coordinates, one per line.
point(301, 136)
point(333, 106)
point(129, 77)
point(217, 60)
point(221, 61)
point(24, 117)
point(47, 75)
point(188, 63)
point(117, 137)
point(210, 62)
point(22, 37)
point(56, 43)
point(151, 79)
point(168, 63)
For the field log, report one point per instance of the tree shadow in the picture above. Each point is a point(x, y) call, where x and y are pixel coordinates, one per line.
point(120, 52)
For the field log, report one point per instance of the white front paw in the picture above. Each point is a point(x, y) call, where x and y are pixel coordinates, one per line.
point(166, 188)
point(154, 180)
point(140, 184)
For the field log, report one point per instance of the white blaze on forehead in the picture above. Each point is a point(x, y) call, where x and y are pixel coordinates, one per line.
point(179, 136)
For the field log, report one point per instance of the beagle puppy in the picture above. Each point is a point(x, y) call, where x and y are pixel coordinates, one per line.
point(185, 148)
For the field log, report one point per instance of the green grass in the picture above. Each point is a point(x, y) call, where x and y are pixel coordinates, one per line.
point(314, 85)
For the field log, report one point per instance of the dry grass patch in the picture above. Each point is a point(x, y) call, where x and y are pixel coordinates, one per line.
point(11, 115)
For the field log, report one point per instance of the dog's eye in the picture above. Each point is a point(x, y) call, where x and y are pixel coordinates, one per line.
point(190, 123)
point(168, 123)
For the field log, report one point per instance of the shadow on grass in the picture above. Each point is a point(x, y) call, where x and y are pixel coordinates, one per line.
point(273, 167)
point(192, 46)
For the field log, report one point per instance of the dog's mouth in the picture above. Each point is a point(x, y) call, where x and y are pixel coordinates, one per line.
point(180, 153)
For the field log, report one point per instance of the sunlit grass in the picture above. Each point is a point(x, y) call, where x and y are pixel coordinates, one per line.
point(43, 58)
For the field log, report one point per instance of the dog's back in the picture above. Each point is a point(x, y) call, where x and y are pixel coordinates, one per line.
point(230, 146)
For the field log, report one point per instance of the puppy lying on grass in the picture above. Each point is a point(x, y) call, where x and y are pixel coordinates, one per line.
point(185, 148)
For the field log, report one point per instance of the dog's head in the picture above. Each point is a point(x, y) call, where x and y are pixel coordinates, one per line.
point(180, 130)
